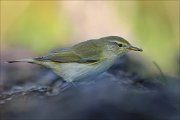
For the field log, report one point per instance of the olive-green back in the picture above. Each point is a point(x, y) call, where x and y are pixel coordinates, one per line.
point(84, 52)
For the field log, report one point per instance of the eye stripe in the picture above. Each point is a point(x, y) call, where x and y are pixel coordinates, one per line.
point(120, 45)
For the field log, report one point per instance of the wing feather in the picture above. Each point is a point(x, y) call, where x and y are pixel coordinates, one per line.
point(88, 52)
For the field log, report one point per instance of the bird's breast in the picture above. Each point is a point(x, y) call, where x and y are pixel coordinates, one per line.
point(76, 71)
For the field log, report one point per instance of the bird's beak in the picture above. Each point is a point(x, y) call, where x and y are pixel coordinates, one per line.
point(134, 48)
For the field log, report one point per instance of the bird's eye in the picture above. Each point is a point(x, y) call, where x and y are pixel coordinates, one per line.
point(120, 45)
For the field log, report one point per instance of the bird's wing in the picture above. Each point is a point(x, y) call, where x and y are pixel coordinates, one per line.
point(88, 52)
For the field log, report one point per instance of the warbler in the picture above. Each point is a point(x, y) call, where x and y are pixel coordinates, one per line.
point(85, 59)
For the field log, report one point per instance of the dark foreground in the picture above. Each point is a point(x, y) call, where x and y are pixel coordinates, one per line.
point(114, 95)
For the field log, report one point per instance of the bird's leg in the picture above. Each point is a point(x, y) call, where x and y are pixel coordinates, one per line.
point(65, 86)
point(55, 81)
point(55, 86)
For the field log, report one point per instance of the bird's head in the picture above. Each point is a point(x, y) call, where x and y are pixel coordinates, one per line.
point(119, 45)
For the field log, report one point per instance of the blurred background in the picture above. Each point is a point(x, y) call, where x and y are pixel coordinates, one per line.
point(40, 26)
point(33, 28)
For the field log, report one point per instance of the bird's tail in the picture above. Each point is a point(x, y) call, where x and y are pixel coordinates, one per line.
point(22, 60)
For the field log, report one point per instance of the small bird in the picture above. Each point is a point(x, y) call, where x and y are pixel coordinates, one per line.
point(85, 59)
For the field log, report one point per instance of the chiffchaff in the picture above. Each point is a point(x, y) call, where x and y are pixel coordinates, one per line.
point(87, 58)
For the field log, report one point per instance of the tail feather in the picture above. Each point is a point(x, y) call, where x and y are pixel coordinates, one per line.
point(33, 61)
point(23, 60)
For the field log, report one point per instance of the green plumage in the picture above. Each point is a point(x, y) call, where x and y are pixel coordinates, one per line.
point(87, 58)
point(85, 52)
